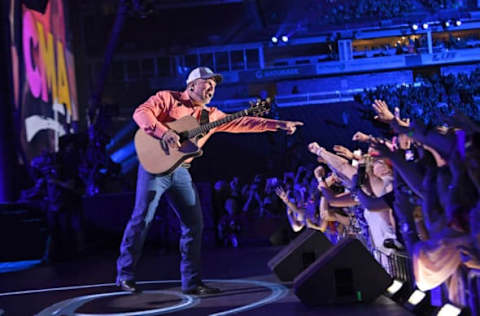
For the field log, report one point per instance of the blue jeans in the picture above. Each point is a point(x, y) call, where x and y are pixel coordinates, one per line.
point(150, 188)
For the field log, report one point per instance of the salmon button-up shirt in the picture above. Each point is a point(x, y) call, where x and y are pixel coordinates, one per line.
point(168, 106)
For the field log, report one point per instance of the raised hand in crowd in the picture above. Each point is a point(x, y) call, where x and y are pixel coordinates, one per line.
point(315, 148)
point(382, 147)
point(295, 215)
point(281, 194)
point(319, 173)
point(385, 115)
point(253, 199)
point(344, 152)
point(361, 137)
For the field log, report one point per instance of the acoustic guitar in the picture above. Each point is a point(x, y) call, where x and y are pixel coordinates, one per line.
point(158, 158)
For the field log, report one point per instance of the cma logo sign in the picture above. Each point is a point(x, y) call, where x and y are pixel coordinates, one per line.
point(47, 75)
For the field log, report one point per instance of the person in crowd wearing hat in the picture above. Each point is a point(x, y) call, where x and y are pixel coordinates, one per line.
point(151, 116)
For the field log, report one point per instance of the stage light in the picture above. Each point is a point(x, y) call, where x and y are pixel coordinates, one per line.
point(425, 26)
point(449, 310)
point(398, 291)
point(414, 26)
point(123, 153)
point(416, 297)
point(446, 24)
point(394, 287)
point(419, 303)
point(123, 133)
point(458, 23)
point(284, 38)
point(274, 39)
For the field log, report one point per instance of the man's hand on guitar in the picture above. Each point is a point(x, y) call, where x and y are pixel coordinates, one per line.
point(171, 139)
point(289, 126)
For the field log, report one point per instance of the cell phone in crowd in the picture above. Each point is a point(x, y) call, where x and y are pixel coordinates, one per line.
point(361, 174)
point(409, 155)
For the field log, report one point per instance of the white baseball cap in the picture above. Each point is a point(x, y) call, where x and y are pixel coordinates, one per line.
point(204, 73)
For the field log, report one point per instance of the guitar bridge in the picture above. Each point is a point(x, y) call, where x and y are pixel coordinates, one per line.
point(183, 136)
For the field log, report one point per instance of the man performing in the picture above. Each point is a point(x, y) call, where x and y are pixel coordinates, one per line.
point(164, 107)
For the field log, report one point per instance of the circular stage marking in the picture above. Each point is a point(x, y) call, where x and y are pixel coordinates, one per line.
point(68, 307)
point(278, 291)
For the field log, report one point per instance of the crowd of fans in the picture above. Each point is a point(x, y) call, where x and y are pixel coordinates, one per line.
point(80, 168)
point(414, 193)
point(340, 11)
point(236, 205)
point(434, 99)
point(422, 187)
point(415, 45)
point(444, 4)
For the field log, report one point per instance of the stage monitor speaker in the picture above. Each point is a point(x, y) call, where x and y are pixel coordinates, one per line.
point(299, 254)
point(346, 273)
point(37, 5)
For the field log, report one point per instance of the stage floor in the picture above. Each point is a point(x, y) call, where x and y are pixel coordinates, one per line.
point(85, 287)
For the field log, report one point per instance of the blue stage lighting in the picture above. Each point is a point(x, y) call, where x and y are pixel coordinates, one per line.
point(274, 39)
point(425, 26)
point(458, 23)
point(124, 132)
point(284, 38)
point(414, 26)
point(123, 153)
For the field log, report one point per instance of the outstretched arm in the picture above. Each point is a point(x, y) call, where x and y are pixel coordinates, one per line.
point(371, 203)
point(291, 206)
point(339, 164)
point(336, 200)
point(253, 124)
point(321, 226)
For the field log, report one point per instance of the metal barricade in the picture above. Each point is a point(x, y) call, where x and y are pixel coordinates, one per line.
point(398, 265)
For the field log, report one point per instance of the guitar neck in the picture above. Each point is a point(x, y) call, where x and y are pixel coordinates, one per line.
point(206, 127)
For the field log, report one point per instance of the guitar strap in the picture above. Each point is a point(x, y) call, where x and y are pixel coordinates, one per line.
point(204, 119)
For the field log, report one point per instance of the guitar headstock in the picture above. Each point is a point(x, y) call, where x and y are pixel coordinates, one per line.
point(260, 107)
